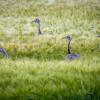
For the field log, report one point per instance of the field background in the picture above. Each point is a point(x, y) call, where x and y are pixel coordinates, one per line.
point(36, 69)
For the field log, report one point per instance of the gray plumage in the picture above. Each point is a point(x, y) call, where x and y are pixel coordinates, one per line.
point(70, 56)
point(98, 35)
point(4, 53)
point(37, 21)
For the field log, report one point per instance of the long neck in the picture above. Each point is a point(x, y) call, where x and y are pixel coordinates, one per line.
point(38, 29)
point(68, 49)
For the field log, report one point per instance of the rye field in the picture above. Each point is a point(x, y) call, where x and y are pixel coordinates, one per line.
point(36, 68)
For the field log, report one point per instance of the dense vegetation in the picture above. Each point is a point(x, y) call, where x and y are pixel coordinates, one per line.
point(36, 69)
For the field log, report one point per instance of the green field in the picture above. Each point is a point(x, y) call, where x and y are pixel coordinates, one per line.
point(36, 69)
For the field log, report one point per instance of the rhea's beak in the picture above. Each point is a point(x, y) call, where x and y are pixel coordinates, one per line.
point(64, 37)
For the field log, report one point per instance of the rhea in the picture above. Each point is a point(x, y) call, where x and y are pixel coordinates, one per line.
point(70, 56)
point(4, 53)
point(37, 21)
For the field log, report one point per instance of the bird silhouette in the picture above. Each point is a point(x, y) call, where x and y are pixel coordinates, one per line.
point(70, 56)
point(37, 21)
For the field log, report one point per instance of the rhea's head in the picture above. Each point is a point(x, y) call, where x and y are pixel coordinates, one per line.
point(67, 38)
point(37, 20)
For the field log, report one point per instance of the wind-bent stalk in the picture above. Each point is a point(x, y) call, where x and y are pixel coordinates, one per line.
point(99, 41)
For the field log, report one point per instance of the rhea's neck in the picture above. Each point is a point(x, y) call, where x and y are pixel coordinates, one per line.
point(38, 28)
point(68, 49)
